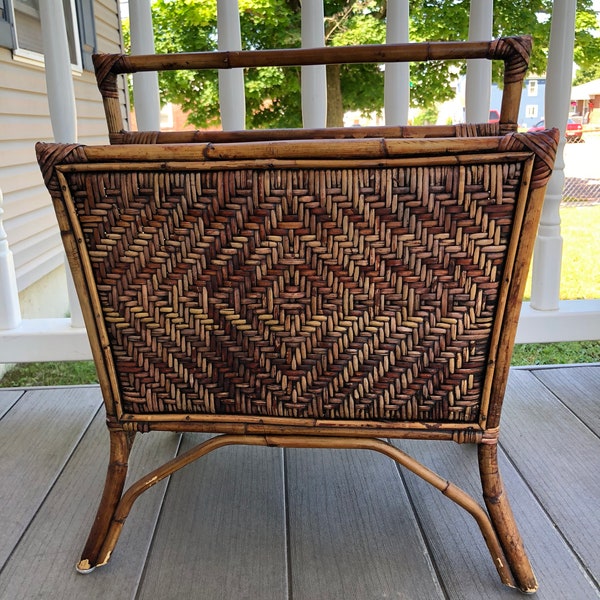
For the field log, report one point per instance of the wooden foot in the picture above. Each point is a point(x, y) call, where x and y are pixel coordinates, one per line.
point(503, 520)
point(120, 448)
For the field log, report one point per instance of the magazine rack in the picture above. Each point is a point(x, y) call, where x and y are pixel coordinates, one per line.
point(309, 290)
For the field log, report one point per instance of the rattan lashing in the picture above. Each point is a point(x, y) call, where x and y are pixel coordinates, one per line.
point(316, 291)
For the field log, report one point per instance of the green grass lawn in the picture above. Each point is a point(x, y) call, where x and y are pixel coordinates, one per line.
point(580, 273)
point(580, 279)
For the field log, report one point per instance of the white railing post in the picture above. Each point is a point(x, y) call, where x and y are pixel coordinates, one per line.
point(10, 311)
point(232, 95)
point(396, 94)
point(146, 97)
point(479, 71)
point(545, 282)
point(59, 79)
point(61, 101)
point(314, 77)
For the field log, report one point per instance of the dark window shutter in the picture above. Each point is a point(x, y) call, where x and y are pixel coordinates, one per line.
point(7, 38)
point(87, 31)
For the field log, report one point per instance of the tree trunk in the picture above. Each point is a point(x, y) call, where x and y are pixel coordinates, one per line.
point(335, 108)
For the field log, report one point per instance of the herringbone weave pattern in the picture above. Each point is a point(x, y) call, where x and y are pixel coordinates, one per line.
point(352, 293)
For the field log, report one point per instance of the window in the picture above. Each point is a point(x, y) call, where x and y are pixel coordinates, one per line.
point(166, 116)
point(531, 111)
point(26, 35)
point(532, 87)
point(6, 28)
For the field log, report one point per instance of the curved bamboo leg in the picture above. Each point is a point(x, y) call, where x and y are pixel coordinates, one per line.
point(503, 519)
point(120, 448)
point(121, 511)
point(501, 525)
point(451, 491)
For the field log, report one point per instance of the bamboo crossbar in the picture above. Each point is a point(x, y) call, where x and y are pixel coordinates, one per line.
point(372, 53)
point(319, 150)
point(513, 51)
point(258, 135)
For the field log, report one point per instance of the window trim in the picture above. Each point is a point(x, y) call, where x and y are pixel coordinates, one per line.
point(38, 57)
point(7, 29)
point(84, 35)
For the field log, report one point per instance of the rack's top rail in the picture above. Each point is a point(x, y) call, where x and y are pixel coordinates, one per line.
point(513, 51)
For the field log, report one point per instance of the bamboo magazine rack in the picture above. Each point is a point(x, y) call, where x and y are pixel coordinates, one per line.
point(322, 288)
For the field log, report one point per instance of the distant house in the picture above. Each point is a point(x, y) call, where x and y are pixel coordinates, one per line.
point(29, 221)
point(533, 97)
point(530, 112)
point(585, 101)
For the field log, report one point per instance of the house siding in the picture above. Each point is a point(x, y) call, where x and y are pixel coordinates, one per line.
point(29, 219)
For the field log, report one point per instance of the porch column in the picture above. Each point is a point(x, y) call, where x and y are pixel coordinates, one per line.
point(61, 101)
point(547, 256)
point(59, 78)
point(10, 311)
point(146, 97)
point(396, 92)
point(314, 77)
point(479, 71)
point(232, 95)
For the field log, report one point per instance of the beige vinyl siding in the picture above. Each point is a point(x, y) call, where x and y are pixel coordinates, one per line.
point(24, 119)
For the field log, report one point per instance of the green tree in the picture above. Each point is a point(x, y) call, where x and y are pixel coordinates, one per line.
point(273, 94)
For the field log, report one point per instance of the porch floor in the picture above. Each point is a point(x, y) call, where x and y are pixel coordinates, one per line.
point(262, 523)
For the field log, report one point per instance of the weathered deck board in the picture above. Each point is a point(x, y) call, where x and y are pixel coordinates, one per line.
point(578, 388)
point(7, 399)
point(222, 527)
point(457, 546)
point(352, 530)
point(34, 454)
point(299, 524)
point(46, 556)
point(559, 456)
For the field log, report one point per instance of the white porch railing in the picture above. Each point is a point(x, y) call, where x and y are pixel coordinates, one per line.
point(544, 319)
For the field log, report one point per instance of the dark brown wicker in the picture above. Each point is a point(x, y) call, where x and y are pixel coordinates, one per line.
point(304, 292)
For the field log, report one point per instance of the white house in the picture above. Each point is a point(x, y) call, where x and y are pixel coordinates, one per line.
point(92, 25)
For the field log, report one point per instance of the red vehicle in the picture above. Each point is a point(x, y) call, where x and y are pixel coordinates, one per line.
point(573, 133)
point(494, 116)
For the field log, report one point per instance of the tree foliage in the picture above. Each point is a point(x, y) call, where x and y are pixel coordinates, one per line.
point(273, 94)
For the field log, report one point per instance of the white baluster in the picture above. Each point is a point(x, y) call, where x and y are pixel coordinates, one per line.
point(479, 71)
point(61, 100)
point(145, 85)
point(232, 95)
point(10, 311)
point(314, 77)
point(397, 75)
point(59, 79)
point(545, 284)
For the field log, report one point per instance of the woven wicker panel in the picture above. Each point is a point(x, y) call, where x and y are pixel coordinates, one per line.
point(358, 293)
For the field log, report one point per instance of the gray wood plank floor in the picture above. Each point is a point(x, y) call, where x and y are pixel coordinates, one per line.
point(262, 523)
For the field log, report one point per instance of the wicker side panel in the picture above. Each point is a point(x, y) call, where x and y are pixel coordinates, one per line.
point(358, 293)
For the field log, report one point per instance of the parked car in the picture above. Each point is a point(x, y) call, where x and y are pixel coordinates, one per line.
point(494, 116)
point(573, 133)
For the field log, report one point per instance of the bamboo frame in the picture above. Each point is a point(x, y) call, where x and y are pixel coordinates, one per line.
point(514, 52)
point(497, 528)
point(458, 167)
